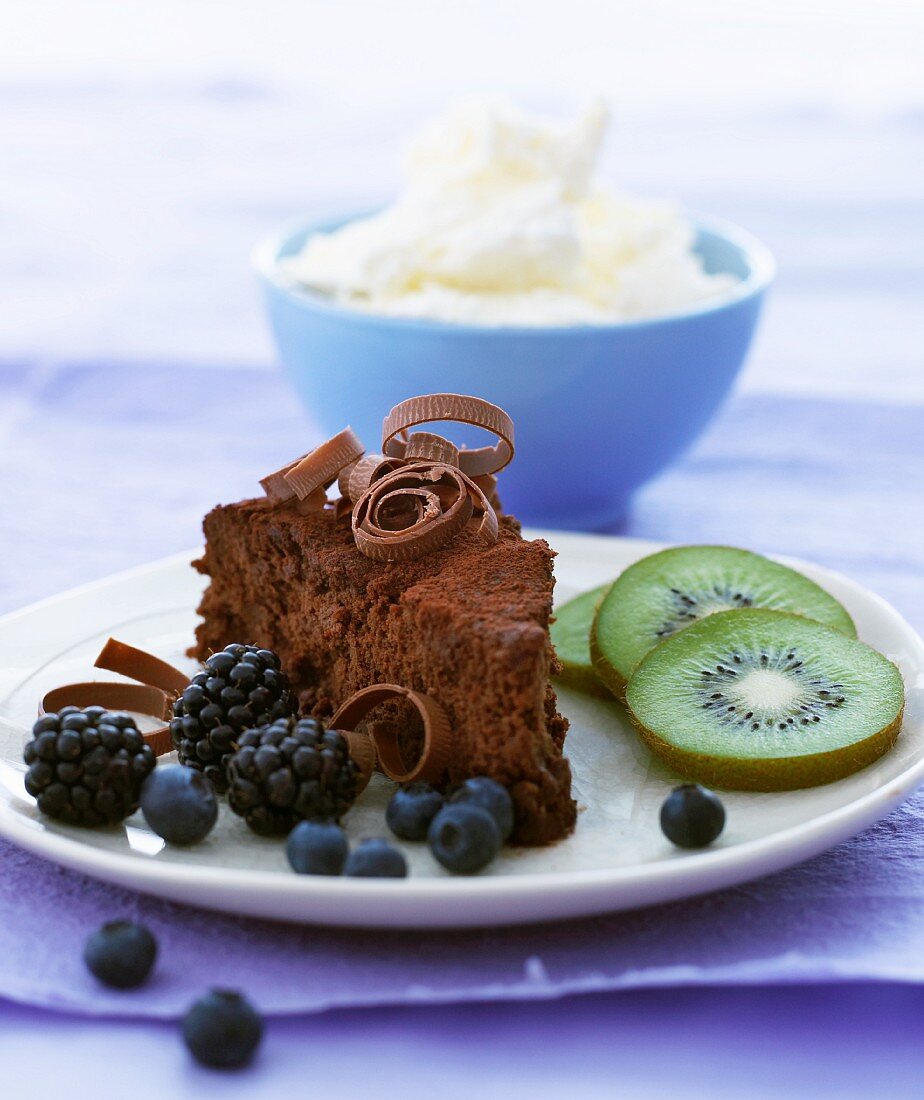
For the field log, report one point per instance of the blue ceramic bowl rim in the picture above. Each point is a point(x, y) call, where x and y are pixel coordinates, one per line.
point(757, 258)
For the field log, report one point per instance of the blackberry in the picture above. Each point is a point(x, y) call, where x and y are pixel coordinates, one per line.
point(86, 766)
point(289, 771)
point(240, 688)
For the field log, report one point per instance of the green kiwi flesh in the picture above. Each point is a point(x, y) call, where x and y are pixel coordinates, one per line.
point(667, 591)
point(571, 640)
point(765, 701)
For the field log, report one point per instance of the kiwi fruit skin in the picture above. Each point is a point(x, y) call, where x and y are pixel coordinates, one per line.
point(604, 670)
point(794, 773)
point(570, 634)
point(655, 572)
point(778, 773)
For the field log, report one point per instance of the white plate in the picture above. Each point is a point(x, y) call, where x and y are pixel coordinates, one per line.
point(617, 858)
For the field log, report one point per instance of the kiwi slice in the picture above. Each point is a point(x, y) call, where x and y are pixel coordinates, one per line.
point(571, 640)
point(665, 592)
point(765, 701)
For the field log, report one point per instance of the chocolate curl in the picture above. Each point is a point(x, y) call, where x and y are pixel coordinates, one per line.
point(277, 489)
point(362, 752)
point(427, 447)
point(434, 757)
point(114, 696)
point(356, 478)
point(314, 471)
point(159, 684)
point(314, 502)
point(418, 509)
point(343, 508)
point(320, 468)
point(462, 410)
point(487, 483)
point(136, 664)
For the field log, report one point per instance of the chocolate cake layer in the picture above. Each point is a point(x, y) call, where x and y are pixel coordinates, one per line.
point(467, 624)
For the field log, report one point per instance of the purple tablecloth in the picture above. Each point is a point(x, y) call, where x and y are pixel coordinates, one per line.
point(90, 434)
point(807, 1041)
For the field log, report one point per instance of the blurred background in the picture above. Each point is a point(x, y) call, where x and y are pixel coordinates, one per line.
point(145, 147)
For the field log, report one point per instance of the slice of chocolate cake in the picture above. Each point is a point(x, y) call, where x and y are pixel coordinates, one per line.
point(466, 624)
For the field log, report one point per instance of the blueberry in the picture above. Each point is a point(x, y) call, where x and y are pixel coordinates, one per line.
point(222, 1029)
point(121, 954)
point(179, 804)
point(490, 796)
point(317, 848)
point(411, 810)
point(464, 838)
point(375, 859)
point(691, 816)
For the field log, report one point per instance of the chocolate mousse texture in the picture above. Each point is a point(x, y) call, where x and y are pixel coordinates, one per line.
point(466, 624)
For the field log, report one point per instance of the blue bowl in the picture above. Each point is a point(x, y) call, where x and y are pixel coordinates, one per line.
point(599, 410)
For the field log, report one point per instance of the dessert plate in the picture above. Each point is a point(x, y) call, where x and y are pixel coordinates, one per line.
point(617, 858)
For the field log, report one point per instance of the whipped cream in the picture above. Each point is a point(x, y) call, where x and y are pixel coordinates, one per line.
point(500, 222)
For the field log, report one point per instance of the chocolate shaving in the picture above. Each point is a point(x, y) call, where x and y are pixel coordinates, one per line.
point(487, 483)
point(277, 489)
point(420, 493)
point(427, 447)
point(158, 686)
point(314, 502)
point(362, 751)
point(312, 473)
point(460, 409)
point(141, 698)
point(136, 664)
point(418, 509)
point(342, 508)
point(319, 469)
point(434, 757)
point(355, 479)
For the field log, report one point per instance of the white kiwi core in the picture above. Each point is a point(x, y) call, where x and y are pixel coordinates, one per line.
point(764, 689)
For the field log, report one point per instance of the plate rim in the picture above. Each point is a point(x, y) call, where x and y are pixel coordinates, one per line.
point(712, 868)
